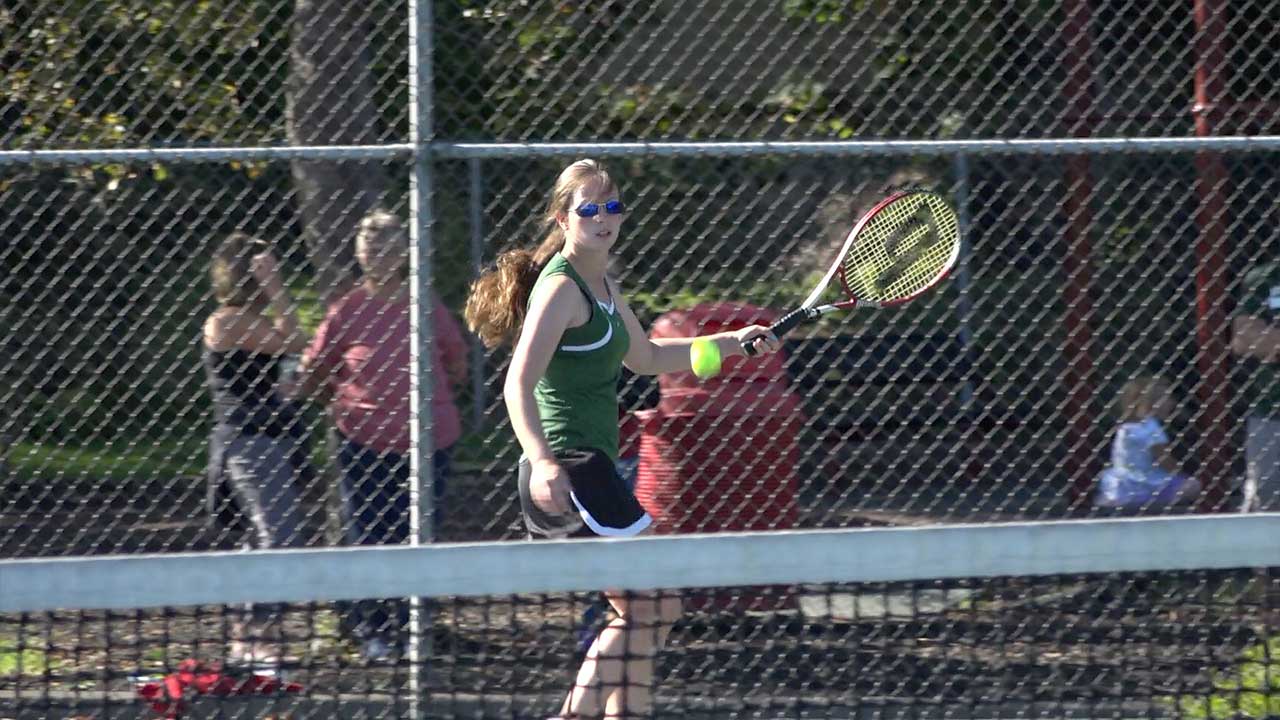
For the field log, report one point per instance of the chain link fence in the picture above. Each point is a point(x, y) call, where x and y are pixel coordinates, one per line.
point(993, 398)
point(140, 138)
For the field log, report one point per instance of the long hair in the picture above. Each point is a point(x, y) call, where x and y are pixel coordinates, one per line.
point(231, 272)
point(499, 298)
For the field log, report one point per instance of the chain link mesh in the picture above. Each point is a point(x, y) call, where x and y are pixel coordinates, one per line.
point(1134, 644)
point(126, 73)
point(835, 69)
point(995, 397)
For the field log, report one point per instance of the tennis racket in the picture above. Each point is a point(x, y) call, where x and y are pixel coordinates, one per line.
point(900, 248)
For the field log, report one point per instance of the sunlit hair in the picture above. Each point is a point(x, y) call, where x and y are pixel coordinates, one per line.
point(499, 298)
point(1139, 396)
point(378, 232)
point(231, 272)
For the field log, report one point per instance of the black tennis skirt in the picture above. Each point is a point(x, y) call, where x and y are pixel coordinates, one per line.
point(604, 505)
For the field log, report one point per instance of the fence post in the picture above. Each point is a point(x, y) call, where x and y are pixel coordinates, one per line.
point(1080, 408)
point(421, 475)
point(476, 206)
point(1213, 348)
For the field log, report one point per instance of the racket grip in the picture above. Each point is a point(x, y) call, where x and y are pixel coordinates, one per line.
point(782, 327)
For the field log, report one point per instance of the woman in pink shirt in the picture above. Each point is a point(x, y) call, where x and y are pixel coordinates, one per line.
point(360, 356)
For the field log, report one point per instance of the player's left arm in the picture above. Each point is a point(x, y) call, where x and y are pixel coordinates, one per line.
point(648, 356)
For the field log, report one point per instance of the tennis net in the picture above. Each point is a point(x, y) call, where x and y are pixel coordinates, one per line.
point(1115, 618)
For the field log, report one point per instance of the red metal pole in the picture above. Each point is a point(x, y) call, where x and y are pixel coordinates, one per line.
point(1083, 457)
point(1212, 323)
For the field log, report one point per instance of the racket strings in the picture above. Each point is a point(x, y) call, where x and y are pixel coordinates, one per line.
point(902, 249)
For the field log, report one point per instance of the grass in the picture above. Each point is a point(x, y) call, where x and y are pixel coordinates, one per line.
point(179, 449)
point(16, 660)
point(119, 460)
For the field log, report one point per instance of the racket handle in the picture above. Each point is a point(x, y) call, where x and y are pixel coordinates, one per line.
point(782, 327)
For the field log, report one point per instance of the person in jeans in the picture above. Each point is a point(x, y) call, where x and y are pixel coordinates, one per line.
point(257, 446)
point(1255, 339)
point(360, 358)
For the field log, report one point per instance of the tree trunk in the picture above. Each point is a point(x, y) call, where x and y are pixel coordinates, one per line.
point(331, 102)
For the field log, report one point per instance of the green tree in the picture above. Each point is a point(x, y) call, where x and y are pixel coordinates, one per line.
point(117, 73)
point(332, 101)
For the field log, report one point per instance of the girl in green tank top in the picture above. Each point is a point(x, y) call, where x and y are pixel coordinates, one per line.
point(573, 331)
point(577, 395)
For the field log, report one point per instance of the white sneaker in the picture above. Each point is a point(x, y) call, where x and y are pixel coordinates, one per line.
point(256, 656)
point(238, 651)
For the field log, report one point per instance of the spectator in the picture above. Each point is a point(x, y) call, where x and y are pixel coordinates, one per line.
point(1143, 473)
point(257, 444)
point(360, 357)
point(1256, 340)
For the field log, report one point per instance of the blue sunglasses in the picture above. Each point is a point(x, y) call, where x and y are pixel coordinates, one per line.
point(588, 210)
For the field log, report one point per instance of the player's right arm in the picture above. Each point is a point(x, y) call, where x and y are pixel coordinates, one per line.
point(551, 312)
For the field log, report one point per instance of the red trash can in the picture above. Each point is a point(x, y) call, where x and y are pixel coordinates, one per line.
point(721, 454)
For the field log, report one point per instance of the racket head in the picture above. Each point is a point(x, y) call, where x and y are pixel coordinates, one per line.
point(900, 248)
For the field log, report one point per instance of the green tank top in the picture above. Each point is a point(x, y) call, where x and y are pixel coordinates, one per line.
point(578, 396)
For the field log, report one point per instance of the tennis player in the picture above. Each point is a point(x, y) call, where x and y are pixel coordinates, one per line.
point(573, 331)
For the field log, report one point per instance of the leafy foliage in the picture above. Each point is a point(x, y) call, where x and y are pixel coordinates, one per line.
point(821, 11)
point(125, 72)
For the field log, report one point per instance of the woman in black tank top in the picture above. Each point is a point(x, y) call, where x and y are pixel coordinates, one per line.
point(256, 446)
